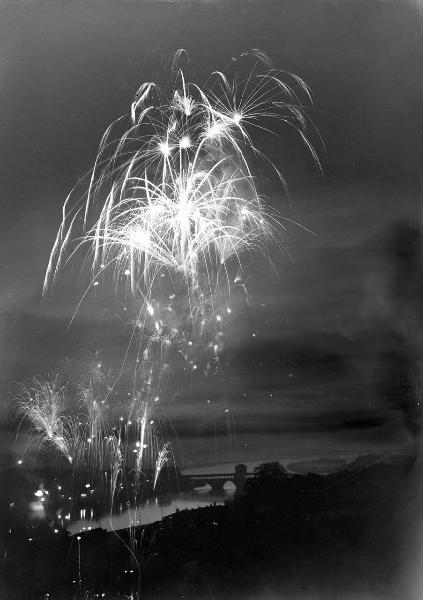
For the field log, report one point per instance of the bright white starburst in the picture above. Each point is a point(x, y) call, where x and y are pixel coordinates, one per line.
point(175, 191)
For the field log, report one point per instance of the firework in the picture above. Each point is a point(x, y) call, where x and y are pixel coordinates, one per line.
point(173, 216)
point(97, 438)
point(172, 209)
point(42, 404)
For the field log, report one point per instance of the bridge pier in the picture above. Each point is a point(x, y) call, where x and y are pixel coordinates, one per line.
point(240, 478)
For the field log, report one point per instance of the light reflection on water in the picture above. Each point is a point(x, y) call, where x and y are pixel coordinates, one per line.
point(152, 510)
point(36, 509)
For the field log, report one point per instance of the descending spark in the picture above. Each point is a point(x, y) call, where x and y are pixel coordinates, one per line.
point(114, 443)
point(93, 408)
point(142, 421)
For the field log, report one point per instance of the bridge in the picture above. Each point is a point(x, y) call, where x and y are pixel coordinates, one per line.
point(217, 480)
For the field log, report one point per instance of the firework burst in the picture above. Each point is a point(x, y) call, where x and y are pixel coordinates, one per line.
point(172, 208)
point(42, 404)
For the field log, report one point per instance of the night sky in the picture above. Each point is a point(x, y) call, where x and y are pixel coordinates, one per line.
point(343, 315)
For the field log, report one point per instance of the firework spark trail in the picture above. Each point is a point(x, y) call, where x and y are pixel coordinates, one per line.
point(93, 408)
point(114, 443)
point(160, 462)
point(117, 457)
point(138, 428)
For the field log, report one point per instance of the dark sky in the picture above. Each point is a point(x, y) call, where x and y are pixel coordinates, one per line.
point(317, 377)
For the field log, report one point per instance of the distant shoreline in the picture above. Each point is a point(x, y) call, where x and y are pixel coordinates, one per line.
point(295, 464)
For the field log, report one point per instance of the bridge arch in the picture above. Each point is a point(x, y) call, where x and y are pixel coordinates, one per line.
point(229, 486)
point(222, 481)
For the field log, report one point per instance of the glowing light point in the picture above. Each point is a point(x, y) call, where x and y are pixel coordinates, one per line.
point(127, 272)
point(215, 130)
point(237, 118)
point(139, 238)
point(164, 148)
point(185, 142)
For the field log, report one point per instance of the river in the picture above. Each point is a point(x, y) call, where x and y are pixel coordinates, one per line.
point(153, 509)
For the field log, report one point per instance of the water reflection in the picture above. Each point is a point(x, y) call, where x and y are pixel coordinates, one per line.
point(153, 509)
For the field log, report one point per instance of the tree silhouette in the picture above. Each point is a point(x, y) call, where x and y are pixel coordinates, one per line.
point(270, 470)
